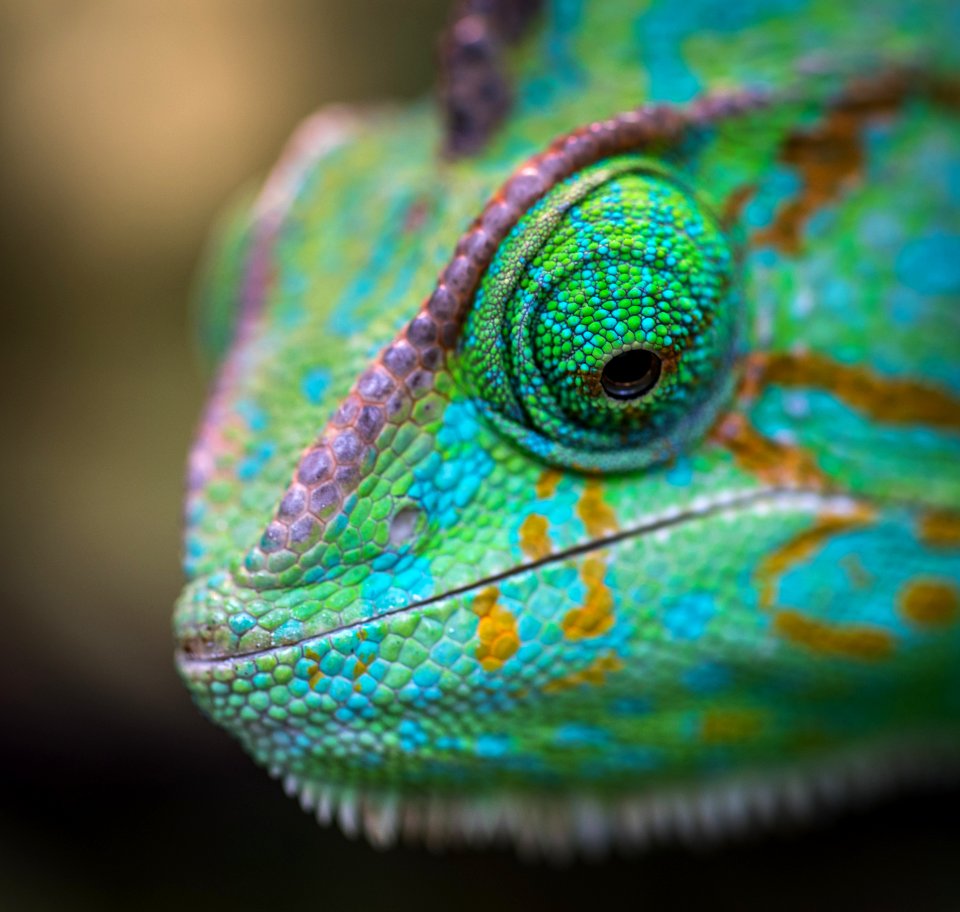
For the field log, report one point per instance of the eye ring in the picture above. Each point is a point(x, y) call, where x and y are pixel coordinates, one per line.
point(631, 374)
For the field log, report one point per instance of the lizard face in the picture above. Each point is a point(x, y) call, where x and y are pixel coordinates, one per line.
point(651, 492)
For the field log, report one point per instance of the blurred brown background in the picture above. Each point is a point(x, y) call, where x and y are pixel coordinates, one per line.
point(124, 126)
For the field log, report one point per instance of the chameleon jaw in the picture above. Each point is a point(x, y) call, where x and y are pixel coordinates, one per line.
point(201, 641)
point(326, 766)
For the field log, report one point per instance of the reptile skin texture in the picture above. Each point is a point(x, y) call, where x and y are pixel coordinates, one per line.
point(599, 481)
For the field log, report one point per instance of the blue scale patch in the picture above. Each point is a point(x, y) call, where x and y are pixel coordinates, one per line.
point(314, 384)
point(857, 576)
point(931, 265)
point(686, 618)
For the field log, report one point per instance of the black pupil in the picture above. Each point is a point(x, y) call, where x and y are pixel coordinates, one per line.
point(631, 374)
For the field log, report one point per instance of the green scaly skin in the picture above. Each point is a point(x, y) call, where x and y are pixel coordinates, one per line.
point(442, 580)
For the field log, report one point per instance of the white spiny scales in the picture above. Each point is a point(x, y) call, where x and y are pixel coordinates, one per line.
point(559, 828)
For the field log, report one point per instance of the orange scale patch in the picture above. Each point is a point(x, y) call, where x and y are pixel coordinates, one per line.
point(535, 537)
point(771, 461)
point(594, 674)
point(597, 515)
point(851, 641)
point(316, 674)
point(930, 602)
point(940, 528)
point(497, 630)
point(595, 616)
point(547, 483)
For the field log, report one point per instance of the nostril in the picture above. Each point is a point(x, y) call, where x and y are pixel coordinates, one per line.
point(404, 524)
point(199, 643)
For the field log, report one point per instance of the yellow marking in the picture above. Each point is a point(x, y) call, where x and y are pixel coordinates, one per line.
point(534, 537)
point(316, 674)
point(597, 515)
point(595, 673)
point(497, 630)
point(728, 726)
point(940, 528)
point(595, 616)
point(801, 547)
point(853, 641)
point(930, 602)
point(547, 483)
point(359, 668)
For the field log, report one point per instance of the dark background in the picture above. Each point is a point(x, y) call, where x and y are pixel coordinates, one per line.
point(124, 127)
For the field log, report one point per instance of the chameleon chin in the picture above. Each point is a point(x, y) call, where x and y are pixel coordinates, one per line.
point(584, 468)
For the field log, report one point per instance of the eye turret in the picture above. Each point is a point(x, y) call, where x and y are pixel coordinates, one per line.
point(602, 334)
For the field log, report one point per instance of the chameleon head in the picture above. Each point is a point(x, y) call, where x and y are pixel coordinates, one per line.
point(618, 514)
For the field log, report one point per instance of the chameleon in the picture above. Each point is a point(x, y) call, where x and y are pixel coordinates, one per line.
point(581, 467)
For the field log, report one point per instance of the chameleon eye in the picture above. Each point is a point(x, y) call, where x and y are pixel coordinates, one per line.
point(602, 334)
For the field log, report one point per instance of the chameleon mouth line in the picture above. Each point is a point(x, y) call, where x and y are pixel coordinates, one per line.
point(731, 502)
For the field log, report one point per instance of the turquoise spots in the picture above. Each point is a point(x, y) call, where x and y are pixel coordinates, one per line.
point(931, 265)
point(241, 623)
point(602, 334)
point(856, 576)
point(314, 384)
point(250, 466)
point(491, 746)
point(579, 735)
point(450, 475)
point(412, 735)
point(687, 616)
point(780, 185)
point(252, 414)
point(680, 472)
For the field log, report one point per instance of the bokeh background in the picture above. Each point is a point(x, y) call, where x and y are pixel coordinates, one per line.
point(124, 126)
